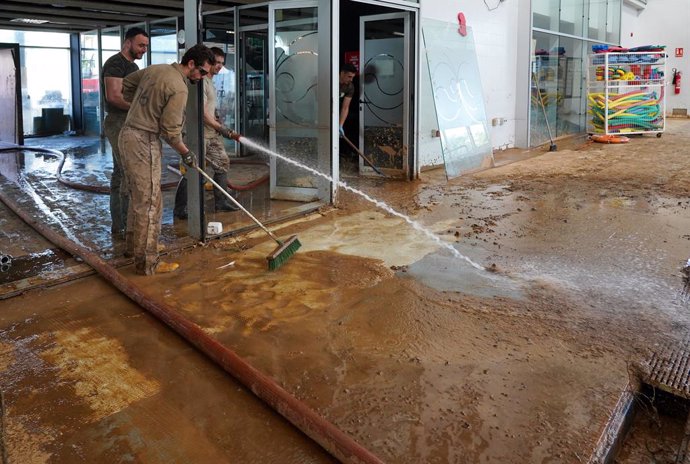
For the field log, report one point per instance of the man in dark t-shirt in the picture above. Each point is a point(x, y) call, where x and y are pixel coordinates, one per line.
point(347, 91)
point(115, 69)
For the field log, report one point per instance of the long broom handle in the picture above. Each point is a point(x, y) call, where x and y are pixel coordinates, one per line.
point(238, 204)
point(543, 108)
point(362, 155)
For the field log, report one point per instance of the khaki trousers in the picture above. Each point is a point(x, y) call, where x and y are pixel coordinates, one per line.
point(215, 154)
point(142, 153)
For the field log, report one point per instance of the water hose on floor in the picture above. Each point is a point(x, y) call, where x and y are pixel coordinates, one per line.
point(328, 436)
point(105, 189)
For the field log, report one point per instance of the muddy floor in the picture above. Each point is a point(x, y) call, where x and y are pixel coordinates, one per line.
point(409, 349)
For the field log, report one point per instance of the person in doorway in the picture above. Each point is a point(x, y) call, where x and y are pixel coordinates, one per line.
point(214, 148)
point(347, 91)
point(115, 69)
point(158, 97)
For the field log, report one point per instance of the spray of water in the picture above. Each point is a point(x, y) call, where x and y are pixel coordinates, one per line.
point(417, 226)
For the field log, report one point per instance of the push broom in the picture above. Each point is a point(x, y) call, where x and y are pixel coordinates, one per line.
point(552, 147)
point(285, 249)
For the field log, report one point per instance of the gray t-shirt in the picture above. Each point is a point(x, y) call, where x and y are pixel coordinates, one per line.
point(116, 66)
point(347, 90)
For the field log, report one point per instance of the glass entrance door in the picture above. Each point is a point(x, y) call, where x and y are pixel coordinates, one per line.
point(384, 96)
point(297, 128)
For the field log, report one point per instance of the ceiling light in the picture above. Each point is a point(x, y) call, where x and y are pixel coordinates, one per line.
point(29, 21)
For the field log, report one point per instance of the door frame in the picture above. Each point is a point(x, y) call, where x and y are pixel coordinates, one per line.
point(19, 116)
point(241, 62)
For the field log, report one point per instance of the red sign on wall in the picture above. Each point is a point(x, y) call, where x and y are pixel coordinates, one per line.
point(679, 52)
point(352, 58)
point(462, 23)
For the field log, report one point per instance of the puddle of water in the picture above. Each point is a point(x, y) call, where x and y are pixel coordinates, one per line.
point(416, 225)
point(447, 274)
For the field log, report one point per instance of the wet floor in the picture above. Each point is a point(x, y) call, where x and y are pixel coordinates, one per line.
point(83, 214)
point(45, 262)
point(87, 377)
point(410, 351)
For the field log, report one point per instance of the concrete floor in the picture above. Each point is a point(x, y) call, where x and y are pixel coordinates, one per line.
point(393, 338)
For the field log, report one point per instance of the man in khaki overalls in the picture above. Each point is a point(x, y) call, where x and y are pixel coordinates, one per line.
point(216, 157)
point(158, 97)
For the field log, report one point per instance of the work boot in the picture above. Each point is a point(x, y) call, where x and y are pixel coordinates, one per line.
point(161, 267)
point(164, 267)
point(221, 202)
point(180, 209)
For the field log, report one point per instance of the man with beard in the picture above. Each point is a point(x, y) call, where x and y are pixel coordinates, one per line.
point(216, 157)
point(116, 68)
point(158, 97)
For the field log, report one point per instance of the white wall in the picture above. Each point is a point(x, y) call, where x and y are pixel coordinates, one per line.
point(663, 22)
point(496, 38)
point(495, 35)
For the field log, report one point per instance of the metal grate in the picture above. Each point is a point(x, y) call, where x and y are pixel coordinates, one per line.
point(669, 368)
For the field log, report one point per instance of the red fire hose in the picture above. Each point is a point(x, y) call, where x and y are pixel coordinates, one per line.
point(328, 436)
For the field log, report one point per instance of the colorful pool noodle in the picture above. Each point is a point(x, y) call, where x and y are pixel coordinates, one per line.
point(629, 112)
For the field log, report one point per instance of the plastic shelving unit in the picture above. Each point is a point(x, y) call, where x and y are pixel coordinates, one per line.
point(626, 93)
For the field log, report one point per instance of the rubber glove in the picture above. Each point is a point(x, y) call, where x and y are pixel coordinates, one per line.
point(188, 158)
point(228, 133)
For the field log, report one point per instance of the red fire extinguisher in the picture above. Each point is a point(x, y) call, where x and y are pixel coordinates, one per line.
point(676, 81)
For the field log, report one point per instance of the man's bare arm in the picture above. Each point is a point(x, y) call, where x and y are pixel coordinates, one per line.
point(113, 92)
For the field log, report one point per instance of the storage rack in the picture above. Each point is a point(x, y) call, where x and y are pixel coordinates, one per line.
point(626, 93)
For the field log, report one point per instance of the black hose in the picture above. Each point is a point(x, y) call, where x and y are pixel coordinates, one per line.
point(75, 185)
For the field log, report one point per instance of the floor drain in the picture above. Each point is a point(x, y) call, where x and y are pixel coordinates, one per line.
point(650, 422)
point(668, 368)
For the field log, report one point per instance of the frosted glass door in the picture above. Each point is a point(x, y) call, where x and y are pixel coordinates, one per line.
point(294, 106)
point(384, 93)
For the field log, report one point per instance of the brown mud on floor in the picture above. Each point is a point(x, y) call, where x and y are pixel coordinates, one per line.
point(379, 330)
point(415, 374)
point(88, 377)
point(418, 374)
